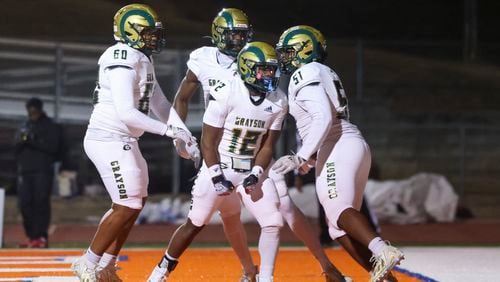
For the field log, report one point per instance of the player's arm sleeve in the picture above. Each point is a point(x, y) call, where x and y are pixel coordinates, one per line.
point(216, 112)
point(278, 121)
point(193, 62)
point(317, 104)
point(122, 91)
point(162, 108)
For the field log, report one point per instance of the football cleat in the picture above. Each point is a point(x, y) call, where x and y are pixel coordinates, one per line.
point(85, 273)
point(270, 279)
point(159, 274)
point(384, 263)
point(247, 278)
point(332, 277)
point(108, 274)
point(390, 278)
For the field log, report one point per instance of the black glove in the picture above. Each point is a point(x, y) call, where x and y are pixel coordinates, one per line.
point(250, 183)
point(222, 186)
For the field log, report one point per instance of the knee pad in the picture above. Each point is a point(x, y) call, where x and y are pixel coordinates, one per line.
point(272, 220)
point(335, 232)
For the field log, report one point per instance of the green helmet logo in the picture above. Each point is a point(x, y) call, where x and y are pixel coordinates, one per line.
point(300, 45)
point(231, 30)
point(257, 66)
point(138, 26)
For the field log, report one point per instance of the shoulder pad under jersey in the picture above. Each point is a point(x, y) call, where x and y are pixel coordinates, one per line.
point(201, 57)
point(305, 75)
point(121, 55)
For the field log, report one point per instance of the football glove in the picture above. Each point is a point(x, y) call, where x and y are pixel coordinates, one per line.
point(188, 152)
point(223, 187)
point(288, 163)
point(179, 133)
point(250, 182)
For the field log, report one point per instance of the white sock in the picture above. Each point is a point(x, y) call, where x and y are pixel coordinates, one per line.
point(91, 259)
point(268, 249)
point(170, 257)
point(377, 245)
point(107, 259)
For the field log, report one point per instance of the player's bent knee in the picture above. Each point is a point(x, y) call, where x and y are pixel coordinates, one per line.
point(335, 233)
point(191, 228)
point(333, 212)
point(131, 203)
point(196, 219)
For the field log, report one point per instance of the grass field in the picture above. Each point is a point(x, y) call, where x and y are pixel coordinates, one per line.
point(198, 264)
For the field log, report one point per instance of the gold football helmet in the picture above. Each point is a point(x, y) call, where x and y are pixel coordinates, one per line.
point(258, 66)
point(231, 30)
point(138, 26)
point(300, 45)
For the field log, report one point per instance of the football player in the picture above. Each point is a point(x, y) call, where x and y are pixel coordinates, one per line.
point(207, 66)
point(318, 103)
point(126, 91)
point(241, 124)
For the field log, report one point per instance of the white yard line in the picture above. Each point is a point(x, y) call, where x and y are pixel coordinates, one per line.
point(47, 258)
point(25, 269)
point(43, 279)
point(454, 264)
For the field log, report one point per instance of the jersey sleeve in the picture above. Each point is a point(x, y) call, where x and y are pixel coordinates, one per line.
point(122, 93)
point(119, 55)
point(194, 63)
point(306, 75)
point(218, 106)
point(315, 101)
point(277, 123)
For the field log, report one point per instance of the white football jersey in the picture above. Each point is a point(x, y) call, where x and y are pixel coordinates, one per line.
point(316, 73)
point(104, 115)
point(245, 122)
point(210, 66)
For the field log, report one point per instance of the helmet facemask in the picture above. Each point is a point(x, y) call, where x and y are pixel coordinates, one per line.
point(264, 77)
point(233, 40)
point(149, 39)
point(289, 57)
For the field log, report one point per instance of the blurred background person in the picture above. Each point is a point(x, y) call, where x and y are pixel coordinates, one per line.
point(38, 146)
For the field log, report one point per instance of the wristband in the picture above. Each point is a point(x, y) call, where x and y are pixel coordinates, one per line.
point(215, 170)
point(257, 170)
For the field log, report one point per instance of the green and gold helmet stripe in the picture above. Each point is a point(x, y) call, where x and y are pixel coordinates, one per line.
point(256, 54)
point(149, 18)
point(308, 43)
point(129, 23)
